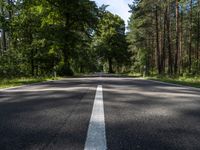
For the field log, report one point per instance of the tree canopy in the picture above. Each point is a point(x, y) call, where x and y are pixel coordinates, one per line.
point(40, 37)
point(164, 36)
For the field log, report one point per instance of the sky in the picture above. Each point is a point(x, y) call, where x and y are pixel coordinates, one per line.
point(119, 7)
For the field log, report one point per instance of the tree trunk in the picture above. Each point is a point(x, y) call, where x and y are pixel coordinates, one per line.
point(32, 63)
point(181, 44)
point(190, 40)
point(67, 68)
point(4, 44)
point(110, 65)
point(177, 38)
point(157, 43)
point(3, 33)
point(170, 60)
point(198, 38)
point(163, 57)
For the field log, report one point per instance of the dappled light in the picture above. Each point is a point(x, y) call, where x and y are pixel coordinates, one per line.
point(99, 74)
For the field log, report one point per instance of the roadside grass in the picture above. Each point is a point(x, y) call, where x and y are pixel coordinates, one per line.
point(188, 81)
point(131, 74)
point(6, 83)
point(193, 81)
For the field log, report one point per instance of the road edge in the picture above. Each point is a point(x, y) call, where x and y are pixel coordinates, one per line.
point(173, 84)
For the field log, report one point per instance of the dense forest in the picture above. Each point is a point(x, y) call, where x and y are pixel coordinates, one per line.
point(164, 36)
point(41, 37)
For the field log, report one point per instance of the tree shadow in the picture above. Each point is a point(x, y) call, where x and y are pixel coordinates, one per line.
point(139, 116)
point(45, 119)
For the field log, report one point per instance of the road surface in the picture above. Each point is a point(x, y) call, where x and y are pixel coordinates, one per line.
point(100, 113)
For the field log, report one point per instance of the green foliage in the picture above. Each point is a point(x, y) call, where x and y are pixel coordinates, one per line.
point(43, 36)
point(110, 41)
point(164, 39)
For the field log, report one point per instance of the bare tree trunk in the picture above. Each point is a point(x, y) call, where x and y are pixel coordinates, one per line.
point(181, 44)
point(198, 37)
point(3, 33)
point(4, 45)
point(10, 14)
point(177, 38)
point(170, 60)
point(157, 42)
point(190, 40)
point(163, 57)
point(32, 63)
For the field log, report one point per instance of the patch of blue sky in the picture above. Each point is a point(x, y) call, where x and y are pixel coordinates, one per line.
point(118, 7)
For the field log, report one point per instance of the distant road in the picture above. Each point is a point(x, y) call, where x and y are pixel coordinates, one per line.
point(100, 112)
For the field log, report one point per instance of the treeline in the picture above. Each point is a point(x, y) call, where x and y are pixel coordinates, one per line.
point(164, 36)
point(41, 37)
point(74, 36)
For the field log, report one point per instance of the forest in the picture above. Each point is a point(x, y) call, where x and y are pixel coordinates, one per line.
point(164, 36)
point(41, 37)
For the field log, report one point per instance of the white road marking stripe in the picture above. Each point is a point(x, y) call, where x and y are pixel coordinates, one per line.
point(36, 89)
point(96, 135)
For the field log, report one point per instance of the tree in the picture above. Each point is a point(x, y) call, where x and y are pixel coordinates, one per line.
point(169, 31)
point(110, 40)
point(177, 38)
point(47, 34)
point(3, 25)
point(75, 24)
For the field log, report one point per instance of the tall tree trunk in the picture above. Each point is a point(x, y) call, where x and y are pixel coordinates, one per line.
point(3, 36)
point(157, 42)
point(152, 55)
point(67, 68)
point(177, 38)
point(163, 57)
point(3, 33)
point(10, 14)
point(170, 59)
point(198, 37)
point(190, 40)
point(181, 44)
point(32, 63)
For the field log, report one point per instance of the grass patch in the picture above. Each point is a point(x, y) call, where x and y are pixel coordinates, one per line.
point(131, 74)
point(5, 83)
point(188, 81)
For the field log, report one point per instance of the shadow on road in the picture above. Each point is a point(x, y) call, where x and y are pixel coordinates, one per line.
point(45, 119)
point(145, 115)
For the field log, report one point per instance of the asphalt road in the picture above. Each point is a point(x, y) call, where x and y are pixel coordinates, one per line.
point(138, 114)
